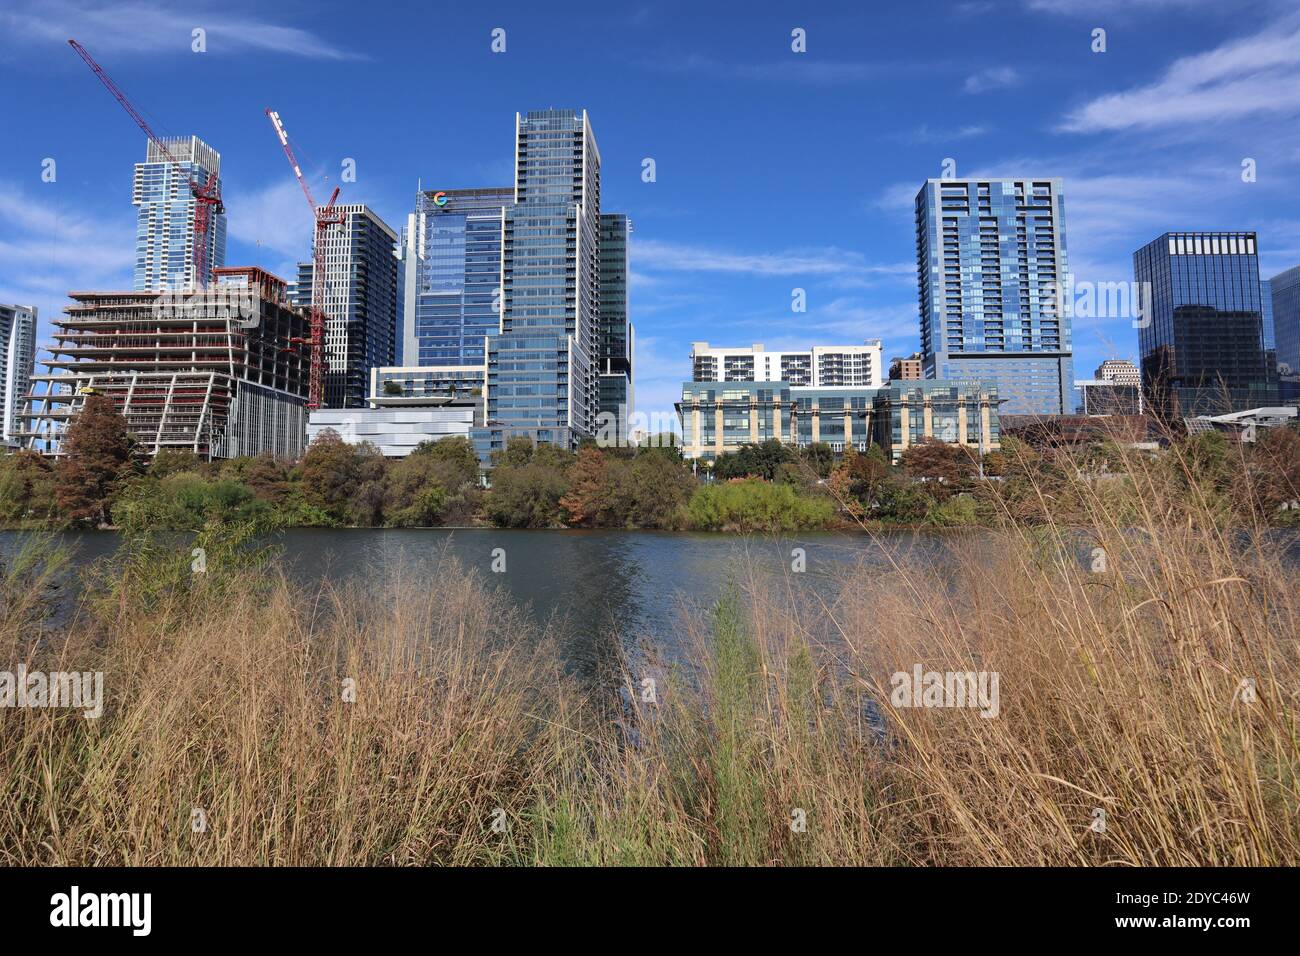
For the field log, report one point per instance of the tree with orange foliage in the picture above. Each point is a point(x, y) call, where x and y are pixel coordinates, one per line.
point(96, 457)
point(589, 494)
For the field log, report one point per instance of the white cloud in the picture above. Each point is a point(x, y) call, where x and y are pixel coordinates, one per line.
point(1251, 76)
point(829, 261)
point(1080, 7)
point(994, 78)
point(795, 68)
point(150, 27)
point(275, 217)
point(51, 249)
point(924, 134)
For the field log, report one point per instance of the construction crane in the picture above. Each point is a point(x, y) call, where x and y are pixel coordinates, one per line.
point(207, 195)
point(324, 216)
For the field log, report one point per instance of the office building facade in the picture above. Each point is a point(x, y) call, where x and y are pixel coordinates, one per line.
point(1285, 300)
point(1118, 372)
point(17, 359)
point(451, 256)
point(1114, 389)
point(1203, 348)
point(820, 366)
point(616, 339)
point(542, 368)
point(907, 368)
point(361, 302)
point(164, 239)
point(991, 255)
point(718, 417)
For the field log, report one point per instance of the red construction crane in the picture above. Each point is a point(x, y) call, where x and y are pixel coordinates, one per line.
point(207, 195)
point(325, 216)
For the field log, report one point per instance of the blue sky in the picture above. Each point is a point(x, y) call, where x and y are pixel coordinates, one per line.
point(775, 170)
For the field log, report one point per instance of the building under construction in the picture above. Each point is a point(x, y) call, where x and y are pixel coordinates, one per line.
point(221, 371)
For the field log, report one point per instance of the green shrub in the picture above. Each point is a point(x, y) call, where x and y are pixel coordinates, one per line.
point(754, 505)
point(953, 513)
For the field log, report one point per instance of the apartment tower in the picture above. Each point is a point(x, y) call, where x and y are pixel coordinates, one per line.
point(990, 255)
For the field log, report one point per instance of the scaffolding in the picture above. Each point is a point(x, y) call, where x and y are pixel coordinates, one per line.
point(215, 371)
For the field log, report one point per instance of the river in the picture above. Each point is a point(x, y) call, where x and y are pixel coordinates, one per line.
point(590, 585)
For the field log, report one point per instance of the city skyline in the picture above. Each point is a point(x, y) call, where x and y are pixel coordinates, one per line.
point(737, 217)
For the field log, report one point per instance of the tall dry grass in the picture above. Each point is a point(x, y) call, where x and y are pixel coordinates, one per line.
point(774, 742)
point(232, 701)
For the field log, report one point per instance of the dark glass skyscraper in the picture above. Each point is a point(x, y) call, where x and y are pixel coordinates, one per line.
point(1285, 287)
point(990, 255)
point(616, 341)
point(1203, 344)
point(361, 303)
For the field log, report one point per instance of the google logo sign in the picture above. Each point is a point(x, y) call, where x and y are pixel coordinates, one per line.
point(440, 198)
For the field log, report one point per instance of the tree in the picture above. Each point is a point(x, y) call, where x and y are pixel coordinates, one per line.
point(26, 487)
point(587, 501)
point(662, 440)
point(345, 481)
point(518, 451)
point(169, 461)
point(858, 481)
point(425, 488)
point(367, 505)
point(943, 467)
point(658, 485)
point(526, 496)
point(268, 478)
point(457, 451)
point(754, 461)
point(819, 457)
point(96, 457)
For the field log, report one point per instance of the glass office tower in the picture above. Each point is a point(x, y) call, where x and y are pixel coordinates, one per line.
point(164, 234)
point(542, 368)
point(616, 334)
point(362, 288)
point(990, 257)
point(1203, 349)
point(453, 276)
point(1285, 287)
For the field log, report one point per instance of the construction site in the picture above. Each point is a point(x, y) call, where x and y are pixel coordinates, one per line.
point(220, 371)
point(199, 357)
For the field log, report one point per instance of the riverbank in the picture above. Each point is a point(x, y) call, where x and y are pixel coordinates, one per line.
point(1140, 714)
point(767, 487)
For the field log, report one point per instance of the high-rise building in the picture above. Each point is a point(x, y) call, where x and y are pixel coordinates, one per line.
point(17, 356)
point(451, 254)
point(822, 366)
point(1285, 300)
point(1202, 345)
point(164, 236)
point(990, 257)
point(361, 302)
point(1118, 372)
point(907, 368)
point(616, 336)
point(1114, 389)
point(213, 372)
point(543, 367)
